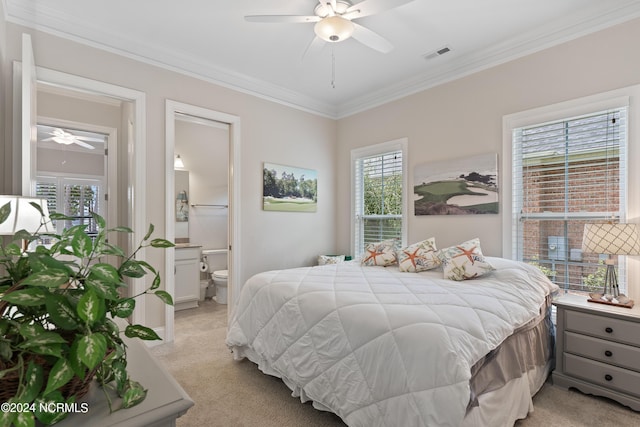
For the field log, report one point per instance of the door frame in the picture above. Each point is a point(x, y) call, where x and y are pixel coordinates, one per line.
point(111, 169)
point(171, 109)
point(136, 146)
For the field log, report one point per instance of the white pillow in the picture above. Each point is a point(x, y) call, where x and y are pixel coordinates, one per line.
point(330, 259)
point(464, 261)
point(380, 253)
point(420, 256)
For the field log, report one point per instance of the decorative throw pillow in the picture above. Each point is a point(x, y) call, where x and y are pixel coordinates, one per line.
point(420, 256)
point(330, 259)
point(380, 253)
point(464, 261)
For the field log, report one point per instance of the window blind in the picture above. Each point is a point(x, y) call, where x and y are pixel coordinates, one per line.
point(378, 198)
point(567, 173)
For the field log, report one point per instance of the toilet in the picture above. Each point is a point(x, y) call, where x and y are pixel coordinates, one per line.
point(216, 261)
point(220, 282)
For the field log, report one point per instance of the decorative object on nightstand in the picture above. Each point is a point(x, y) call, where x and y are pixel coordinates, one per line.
point(611, 239)
point(598, 349)
point(59, 304)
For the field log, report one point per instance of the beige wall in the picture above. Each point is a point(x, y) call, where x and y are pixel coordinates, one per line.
point(460, 118)
point(269, 132)
point(464, 117)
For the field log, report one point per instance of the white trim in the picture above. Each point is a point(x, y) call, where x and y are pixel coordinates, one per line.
point(172, 108)
point(136, 216)
point(401, 144)
point(111, 172)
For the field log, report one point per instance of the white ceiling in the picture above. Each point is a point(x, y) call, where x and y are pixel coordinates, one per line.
point(211, 39)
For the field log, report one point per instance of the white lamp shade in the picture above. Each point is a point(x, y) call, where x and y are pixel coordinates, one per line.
point(178, 163)
point(334, 29)
point(23, 216)
point(612, 239)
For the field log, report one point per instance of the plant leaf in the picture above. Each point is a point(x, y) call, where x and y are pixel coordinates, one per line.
point(105, 289)
point(47, 349)
point(156, 282)
point(33, 380)
point(149, 232)
point(162, 243)
point(62, 313)
point(165, 297)
point(5, 211)
point(59, 375)
point(51, 417)
point(124, 308)
point(7, 418)
point(90, 307)
point(142, 332)
point(121, 229)
point(74, 359)
point(50, 278)
point(99, 220)
point(29, 297)
point(43, 338)
point(81, 243)
point(24, 419)
point(106, 272)
point(119, 371)
point(91, 349)
point(132, 268)
point(133, 394)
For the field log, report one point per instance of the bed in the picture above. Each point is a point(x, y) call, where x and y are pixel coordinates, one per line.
point(382, 347)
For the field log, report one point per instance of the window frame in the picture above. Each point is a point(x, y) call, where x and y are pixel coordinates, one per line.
point(621, 98)
point(60, 180)
point(375, 150)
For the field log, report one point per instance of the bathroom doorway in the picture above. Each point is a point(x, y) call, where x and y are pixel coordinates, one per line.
point(201, 205)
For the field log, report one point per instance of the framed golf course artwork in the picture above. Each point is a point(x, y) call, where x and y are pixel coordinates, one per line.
point(289, 189)
point(464, 186)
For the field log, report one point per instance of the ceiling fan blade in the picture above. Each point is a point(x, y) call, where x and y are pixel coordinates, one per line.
point(314, 46)
point(48, 139)
point(88, 138)
point(371, 39)
point(282, 18)
point(83, 144)
point(371, 7)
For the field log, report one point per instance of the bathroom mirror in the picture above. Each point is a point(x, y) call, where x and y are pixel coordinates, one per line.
point(182, 205)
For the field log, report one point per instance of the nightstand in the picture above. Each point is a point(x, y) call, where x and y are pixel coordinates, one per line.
point(598, 349)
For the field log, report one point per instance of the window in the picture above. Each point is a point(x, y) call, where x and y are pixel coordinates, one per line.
point(379, 194)
point(567, 173)
point(74, 197)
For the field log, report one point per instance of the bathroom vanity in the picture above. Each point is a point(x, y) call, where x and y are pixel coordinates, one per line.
point(187, 276)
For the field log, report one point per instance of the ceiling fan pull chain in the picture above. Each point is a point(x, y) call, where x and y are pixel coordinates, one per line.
point(333, 68)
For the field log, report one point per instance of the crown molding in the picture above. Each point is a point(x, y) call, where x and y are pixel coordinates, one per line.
point(49, 20)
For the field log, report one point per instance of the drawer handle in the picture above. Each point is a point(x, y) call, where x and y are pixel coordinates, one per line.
point(608, 377)
point(608, 353)
point(608, 330)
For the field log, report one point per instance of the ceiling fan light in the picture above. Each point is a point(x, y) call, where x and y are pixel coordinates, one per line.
point(334, 29)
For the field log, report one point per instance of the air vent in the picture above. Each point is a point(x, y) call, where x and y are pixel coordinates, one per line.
point(437, 53)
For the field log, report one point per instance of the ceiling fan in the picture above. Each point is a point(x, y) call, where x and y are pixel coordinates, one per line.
point(67, 138)
point(334, 21)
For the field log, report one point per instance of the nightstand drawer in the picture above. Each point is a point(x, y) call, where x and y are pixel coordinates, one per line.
point(602, 350)
point(604, 327)
point(600, 373)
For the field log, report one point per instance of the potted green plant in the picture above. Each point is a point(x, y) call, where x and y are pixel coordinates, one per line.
point(59, 306)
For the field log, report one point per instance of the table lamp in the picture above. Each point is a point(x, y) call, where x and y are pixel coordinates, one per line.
point(24, 216)
point(611, 239)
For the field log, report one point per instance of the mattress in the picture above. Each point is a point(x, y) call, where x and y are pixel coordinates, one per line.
point(380, 347)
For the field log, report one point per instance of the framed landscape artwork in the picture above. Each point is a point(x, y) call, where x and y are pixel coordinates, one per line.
point(289, 189)
point(457, 187)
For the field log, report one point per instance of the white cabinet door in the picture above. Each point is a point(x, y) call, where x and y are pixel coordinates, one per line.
point(187, 278)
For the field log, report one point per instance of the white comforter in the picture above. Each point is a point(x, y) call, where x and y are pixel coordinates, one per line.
point(379, 347)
